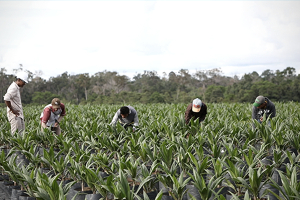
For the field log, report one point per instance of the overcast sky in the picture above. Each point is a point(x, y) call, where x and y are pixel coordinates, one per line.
point(132, 36)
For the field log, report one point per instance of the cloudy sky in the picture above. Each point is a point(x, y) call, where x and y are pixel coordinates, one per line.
point(132, 36)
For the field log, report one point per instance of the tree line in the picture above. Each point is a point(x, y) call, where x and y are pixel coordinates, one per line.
point(109, 87)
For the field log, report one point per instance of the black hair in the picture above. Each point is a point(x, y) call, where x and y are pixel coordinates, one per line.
point(20, 79)
point(124, 110)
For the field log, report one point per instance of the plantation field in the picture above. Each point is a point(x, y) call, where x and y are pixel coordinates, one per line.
point(223, 158)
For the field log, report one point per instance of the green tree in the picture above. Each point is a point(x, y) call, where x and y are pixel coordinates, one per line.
point(43, 97)
point(83, 80)
point(5, 81)
point(60, 85)
point(156, 98)
point(215, 93)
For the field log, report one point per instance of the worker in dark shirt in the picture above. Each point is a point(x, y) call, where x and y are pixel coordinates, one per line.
point(261, 106)
point(196, 109)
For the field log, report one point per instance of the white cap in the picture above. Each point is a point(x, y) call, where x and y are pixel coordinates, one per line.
point(23, 76)
point(197, 103)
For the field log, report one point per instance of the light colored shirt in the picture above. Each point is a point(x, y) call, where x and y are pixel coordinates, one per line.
point(13, 95)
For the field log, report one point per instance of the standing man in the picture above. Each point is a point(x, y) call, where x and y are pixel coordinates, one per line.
point(13, 102)
point(196, 109)
point(261, 106)
point(52, 116)
point(127, 116)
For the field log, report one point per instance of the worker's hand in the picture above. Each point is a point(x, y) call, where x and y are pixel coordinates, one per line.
point(44, 125)
point(261, 119)
point(56, 123)
point(15, 112)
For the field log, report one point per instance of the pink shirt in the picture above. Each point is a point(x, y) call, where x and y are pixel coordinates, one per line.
point(49, 115)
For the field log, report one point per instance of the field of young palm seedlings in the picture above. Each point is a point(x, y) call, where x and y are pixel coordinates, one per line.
point(223, 158)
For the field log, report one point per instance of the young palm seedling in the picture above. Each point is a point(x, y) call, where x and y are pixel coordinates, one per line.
point(166, 154)
point(235, 170)
point(11, 168)
point(178, 188)
point(200, 165)
point(293, 139)
point(256, 180)
point(206, 190)
point(119, 187)
point(280, 139)
point(49, 189)
point(94, 180)
point(150, 185)
point(290, 189)
point(49, 158)
point(32, 156)
point(142, 153)
point(131, 168)
point(28, 177)
point(151, 150)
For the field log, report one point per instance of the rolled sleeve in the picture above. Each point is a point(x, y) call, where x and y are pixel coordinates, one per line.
point(46, 115)
point(7, 97)
point(11, 92)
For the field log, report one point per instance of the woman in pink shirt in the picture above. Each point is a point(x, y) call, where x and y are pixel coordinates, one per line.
point(52, 115)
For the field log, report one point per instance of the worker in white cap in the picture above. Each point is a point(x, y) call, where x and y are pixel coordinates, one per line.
point(13, 102)
point(196, 109)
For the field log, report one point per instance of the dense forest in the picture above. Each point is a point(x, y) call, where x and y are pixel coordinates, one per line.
point(108, 87)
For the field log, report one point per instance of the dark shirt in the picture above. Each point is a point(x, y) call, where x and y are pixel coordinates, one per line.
point(189, 114)
point(269, 110)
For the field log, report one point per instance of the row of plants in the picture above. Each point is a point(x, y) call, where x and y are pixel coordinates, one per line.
point(222, 158)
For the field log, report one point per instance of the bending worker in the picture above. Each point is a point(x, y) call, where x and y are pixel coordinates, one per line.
point(263, 106)
point(127, 117)
point(52, 116)
point(196, 109)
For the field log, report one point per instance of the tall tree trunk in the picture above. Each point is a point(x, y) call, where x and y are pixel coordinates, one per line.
point(85, 92)
point(177, 95)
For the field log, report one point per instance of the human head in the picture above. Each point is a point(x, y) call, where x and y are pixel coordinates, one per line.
point(259, 102)
point(197, 103)
point(22, 78)
point(55, 103)
point(124, 111)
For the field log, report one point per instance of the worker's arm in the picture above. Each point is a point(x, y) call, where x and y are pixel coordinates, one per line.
point(8, 104)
